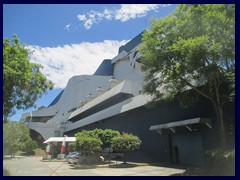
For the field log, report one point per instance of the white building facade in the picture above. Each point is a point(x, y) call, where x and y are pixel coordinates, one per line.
point(111, 98)
point(117, 82)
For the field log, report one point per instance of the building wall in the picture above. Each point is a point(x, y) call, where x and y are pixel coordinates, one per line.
point(155, 147)
point(77, 89)
point(187, 148)
point(122, 70)
point(127, 65)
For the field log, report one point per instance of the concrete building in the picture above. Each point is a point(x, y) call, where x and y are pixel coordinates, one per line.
point(111, 98)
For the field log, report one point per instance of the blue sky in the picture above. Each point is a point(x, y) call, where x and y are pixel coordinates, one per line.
point(73, 39)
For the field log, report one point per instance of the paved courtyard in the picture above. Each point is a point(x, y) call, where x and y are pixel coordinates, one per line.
point(33, 166)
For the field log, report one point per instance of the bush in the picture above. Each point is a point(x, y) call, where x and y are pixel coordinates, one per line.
point(125, 143)
point(97, 137)
point(39, 151)
point(29, 146)
point(221, 162)
point(93, 141)
point(216, 155)
point(88, 144)
point(72, 147)
point(106, 136)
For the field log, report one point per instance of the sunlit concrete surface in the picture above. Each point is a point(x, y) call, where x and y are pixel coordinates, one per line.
point(33, 166)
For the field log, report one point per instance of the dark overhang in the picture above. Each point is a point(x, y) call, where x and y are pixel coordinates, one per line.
point(183, 123)
point(102, 105)
point(122, 91)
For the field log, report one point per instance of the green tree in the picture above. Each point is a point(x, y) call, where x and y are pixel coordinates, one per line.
point(106, 136)
point(95, 140)
point(72, 147)
point(88, 144)
point(191, 53)
point(29, 146)
point(15, 136)
point(23, 83)
point(93, 133)
point(125, 143)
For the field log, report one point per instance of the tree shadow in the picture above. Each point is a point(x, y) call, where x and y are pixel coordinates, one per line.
point(123, 165)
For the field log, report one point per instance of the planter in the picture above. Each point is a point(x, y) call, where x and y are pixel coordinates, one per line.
point(46, 157)
point(61, 156)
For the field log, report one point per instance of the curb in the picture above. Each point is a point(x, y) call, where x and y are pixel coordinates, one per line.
point(110, 166)
point(53, 161)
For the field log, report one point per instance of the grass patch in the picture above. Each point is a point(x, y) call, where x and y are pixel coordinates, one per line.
point(39, 151)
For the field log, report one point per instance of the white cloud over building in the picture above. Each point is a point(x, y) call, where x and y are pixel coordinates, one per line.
point(62, 62)
point(123, 14)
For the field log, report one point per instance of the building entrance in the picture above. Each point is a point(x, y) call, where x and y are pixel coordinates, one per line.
point(186, 149)
point(176, 155)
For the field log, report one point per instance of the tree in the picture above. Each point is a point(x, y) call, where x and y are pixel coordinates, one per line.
point(106, 136)
point(191, 53)
point(95, 140)
point(126, 143)
point(29, 146)
point(23, 83)
point(16, 136)
point(72, 147)
point(93, 133)
point(88, 144)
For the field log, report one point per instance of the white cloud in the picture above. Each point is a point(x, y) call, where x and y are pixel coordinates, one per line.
point(67, 27)
point(124, 13)
point(62, 62)
point(81, 17)
point(132, 11)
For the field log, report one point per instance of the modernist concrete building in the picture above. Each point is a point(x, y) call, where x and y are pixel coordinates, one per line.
point(111, 98)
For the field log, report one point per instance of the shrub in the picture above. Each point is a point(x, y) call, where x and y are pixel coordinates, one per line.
point(88, 144)
point(72, 147)
point(93, 141)
point(106, 136)
point(125, 143)
point(29, 146)
point(221, 162)
point(219, 155)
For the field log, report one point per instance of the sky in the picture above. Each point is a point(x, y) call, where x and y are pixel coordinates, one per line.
point(69, 40)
